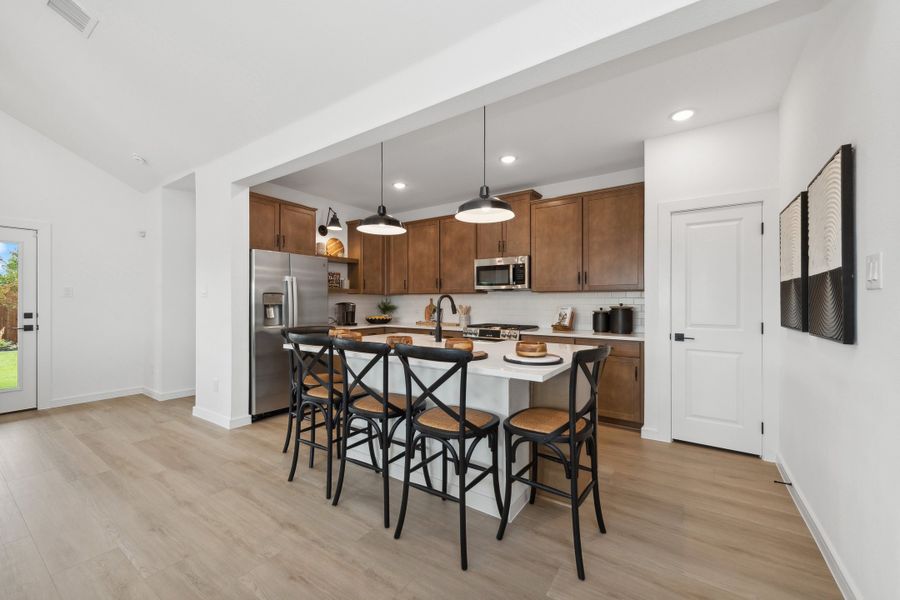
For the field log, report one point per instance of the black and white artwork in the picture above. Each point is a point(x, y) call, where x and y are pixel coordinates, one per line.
point(832, 306)
point(793, 231)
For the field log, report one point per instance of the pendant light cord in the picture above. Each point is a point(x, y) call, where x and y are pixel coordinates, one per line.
point(382, 173)
point(484, 145)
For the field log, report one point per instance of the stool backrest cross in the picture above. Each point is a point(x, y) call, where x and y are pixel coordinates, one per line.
point(589, 364)
point(309, 351)
point(457, 361)
point(354, 378)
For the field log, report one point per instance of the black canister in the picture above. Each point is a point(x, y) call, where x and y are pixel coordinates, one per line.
point(601, 321)
point(621, 319)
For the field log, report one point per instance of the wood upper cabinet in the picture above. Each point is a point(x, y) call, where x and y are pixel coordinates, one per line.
point(613, 221)
point(457, 256)
point(510, 238)
point(556, 245)
point(279, 225)
point(265, 229)
point(298, 229)
point(366, 276)
point(397, 263)
point(423, 256)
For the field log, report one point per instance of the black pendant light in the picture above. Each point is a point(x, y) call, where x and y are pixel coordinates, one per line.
point(381, 223)
point(485, 208)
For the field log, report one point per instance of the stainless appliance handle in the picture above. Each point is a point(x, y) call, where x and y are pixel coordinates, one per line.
point(295, 303)
point(290, 301)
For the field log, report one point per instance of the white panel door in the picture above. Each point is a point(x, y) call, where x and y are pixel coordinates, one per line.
point(18, 319)
point(716, 327)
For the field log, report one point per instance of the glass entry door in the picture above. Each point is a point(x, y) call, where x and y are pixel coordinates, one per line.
point(18, 319)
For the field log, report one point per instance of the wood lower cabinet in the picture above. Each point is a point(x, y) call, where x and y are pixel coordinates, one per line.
point(613, 222)
point(556, 245)
point(424, 267)
point(397, 264)
point(510, 238)
point(457, 256)
point(265, 216)
point(367, 276)
point(298, 229)
point(281, 226)
point(621, 397)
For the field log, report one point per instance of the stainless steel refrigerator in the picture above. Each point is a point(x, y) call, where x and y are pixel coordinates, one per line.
point(286, 290)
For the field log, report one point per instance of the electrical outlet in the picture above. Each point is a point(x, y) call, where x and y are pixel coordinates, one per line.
point(875, 271)
point(68, 292)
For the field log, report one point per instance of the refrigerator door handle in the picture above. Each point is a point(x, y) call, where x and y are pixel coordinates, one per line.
point(295, 303)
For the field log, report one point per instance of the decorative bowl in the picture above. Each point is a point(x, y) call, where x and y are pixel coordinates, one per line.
point(459, 344)
point(531, 349)
point(379, 319)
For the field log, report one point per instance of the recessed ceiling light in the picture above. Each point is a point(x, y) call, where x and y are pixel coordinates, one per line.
point(399, 185)
point(682, 115)
point(507, 159)
point(139, 159)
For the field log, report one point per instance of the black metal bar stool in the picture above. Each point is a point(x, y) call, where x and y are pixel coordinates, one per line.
point(376, 409)
point(451, 426)
point(326, 397)
point(550, 427)
point(308, 381)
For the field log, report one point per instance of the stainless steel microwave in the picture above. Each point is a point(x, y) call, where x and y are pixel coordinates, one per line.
point(505, 273)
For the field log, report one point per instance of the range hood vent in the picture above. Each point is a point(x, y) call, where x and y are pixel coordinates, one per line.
point(75, 15)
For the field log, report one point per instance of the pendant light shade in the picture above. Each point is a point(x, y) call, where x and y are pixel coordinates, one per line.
point(381, 223)
point(485, 208)
point(334, 224)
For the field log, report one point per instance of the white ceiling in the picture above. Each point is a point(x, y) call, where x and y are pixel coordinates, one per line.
point(183, 82)
point(584, 125)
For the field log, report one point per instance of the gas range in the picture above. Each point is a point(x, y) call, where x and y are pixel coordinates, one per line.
point(496, 331)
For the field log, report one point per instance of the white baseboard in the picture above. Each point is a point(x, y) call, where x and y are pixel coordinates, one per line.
point(173, 395)
point(652, 433)
point(835, 564)
point(220, 420)
point(109, 395)
point(93, 397)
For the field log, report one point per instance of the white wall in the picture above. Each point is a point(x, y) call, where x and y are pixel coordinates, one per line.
point(99, 336)
point(736, 157)
point(840, 407)
point(171, 370)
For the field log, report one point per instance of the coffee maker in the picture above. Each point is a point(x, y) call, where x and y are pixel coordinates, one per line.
point(346, 313)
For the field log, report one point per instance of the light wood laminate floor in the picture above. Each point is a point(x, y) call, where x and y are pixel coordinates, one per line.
point(133, 498)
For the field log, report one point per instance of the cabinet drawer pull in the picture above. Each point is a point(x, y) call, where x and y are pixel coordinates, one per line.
point(635, 373)
point(585, 278)
point(579, 277)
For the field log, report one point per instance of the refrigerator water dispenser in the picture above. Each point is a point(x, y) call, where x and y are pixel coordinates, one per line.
point(273, 309)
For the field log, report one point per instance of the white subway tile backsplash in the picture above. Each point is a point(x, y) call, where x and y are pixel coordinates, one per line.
point(523, 308)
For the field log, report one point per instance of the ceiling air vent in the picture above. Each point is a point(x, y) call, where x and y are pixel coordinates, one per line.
point(75, 15)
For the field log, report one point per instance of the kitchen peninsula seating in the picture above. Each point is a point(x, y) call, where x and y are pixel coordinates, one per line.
point(376, 409)
point(551, 428)
point(458, 430)
point(317, 392)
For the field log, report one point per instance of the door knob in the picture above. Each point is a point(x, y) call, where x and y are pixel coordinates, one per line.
point(680, 337)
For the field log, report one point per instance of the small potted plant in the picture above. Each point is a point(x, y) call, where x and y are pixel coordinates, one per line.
point(387, 308)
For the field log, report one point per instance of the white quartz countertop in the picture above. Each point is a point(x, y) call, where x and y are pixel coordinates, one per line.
point(544, 331)
point(493, 365)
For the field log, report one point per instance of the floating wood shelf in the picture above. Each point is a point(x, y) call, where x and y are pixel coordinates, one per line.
point(343, 259)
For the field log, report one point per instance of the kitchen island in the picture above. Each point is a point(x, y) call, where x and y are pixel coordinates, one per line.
point(494, 385)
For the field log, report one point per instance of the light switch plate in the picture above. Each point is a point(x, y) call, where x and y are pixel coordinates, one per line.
point(875, 271)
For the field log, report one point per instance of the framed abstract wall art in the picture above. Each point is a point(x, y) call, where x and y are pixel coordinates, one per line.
point(832, 250)
point(794, 233)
